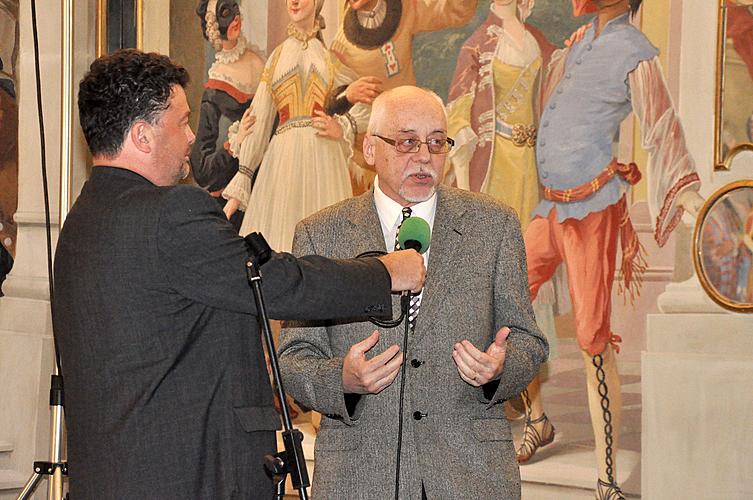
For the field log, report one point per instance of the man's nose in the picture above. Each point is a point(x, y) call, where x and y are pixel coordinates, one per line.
point(423, 153)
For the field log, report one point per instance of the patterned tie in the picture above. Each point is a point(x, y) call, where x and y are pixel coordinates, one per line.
point(415, 301)
point(406, 213)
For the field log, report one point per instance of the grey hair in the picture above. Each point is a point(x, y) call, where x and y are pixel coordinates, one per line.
point(379, 105)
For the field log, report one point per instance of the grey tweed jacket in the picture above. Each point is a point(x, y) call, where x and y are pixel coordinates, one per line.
point(456, 440)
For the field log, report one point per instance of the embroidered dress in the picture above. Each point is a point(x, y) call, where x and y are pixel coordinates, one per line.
point(300, 172)
point(495, 90)
point(492, 117)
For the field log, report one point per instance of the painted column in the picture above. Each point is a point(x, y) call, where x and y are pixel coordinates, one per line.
point(697, 369)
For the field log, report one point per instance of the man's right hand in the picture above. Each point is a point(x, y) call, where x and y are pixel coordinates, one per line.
point(407, 270)
point(370, 376)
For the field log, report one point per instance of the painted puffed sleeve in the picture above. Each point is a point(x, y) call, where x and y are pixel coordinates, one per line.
point(670, 168)
point(459, 104)
point(355, 120)
point(433, 15)
point(252, 148)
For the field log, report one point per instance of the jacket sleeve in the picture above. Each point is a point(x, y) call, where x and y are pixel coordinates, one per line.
point(203, 259)
point(312, 374)
point(527, 347)
point(434, 15)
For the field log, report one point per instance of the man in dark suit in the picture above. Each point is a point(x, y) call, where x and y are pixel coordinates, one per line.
point(167, 389)
point(474, 344)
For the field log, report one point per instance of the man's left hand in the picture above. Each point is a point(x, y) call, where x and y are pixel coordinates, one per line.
point(478, 368)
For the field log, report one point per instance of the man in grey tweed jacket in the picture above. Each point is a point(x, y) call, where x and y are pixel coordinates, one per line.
point(475, 342)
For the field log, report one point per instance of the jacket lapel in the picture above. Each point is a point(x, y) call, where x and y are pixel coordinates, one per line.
point(364, 233)
point(446, 239)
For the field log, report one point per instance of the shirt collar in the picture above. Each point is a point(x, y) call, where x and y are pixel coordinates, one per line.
point(390, 211)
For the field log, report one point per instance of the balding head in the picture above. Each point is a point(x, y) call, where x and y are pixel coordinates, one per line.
point(400, 96)
point(403, 114)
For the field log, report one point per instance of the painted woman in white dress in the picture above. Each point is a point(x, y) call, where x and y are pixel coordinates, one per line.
point(304, 167)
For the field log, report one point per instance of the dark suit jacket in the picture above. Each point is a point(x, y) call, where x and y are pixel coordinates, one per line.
point(458, 443)
point(167, 393)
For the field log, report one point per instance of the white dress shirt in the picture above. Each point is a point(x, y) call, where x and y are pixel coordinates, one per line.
point(391, 216)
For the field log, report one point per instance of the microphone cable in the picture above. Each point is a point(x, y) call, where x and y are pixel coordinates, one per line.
point(45, 186)
point(404, 298)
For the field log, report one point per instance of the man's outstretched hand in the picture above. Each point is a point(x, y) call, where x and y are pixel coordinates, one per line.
point(370, 376)
point(478, 368)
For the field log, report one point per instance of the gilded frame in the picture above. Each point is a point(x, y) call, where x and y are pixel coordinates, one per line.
point(721, 201)
point(101, 35)
point(723, 161)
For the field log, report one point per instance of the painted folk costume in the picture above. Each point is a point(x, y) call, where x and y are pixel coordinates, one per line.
point(492, 111)
point(380, 43)
point(300, 172)
point(226, 97)
point(492, 115)
point(591, 87)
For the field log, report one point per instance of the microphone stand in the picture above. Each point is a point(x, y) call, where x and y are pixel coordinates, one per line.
point(291, 460)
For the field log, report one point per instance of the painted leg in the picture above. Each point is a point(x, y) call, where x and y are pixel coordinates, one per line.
point(538, 431)
point(605, 406)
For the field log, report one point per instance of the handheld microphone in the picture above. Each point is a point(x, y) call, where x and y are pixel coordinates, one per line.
point(415, 233)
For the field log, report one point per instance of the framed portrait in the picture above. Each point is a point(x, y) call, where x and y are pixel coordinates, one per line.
point(723, 246)
point(733, 120)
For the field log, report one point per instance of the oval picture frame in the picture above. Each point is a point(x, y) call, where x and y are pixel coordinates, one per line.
point(723, 246)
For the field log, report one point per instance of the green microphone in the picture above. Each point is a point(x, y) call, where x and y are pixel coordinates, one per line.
point(414, 233)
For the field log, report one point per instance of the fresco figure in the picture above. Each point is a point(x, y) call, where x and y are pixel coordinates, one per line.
point(376, 36)
point(305, 165)
point(375, 39)
point(745, 259)
point(590, 88)
point(721, 244)
point(230, 88)
point(493, 111)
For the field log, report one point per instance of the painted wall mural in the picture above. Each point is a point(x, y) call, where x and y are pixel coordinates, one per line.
point(507, 89)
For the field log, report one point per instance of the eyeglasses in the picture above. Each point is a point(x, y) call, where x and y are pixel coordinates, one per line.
point(436, 145)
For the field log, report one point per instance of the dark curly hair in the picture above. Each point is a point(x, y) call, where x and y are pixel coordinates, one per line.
point(120, 89)
point(227, 10)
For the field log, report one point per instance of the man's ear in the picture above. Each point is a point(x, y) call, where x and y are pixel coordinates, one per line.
point(142, 136)
point(369, 153)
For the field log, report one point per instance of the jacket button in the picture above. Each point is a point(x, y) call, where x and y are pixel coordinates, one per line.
point(417, 415)
point(415, 363)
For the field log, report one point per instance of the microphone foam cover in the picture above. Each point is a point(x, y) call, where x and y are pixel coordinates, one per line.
point(415, 233)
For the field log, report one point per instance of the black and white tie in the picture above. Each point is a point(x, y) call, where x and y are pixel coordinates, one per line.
point(415, 301)
point(406, 213)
